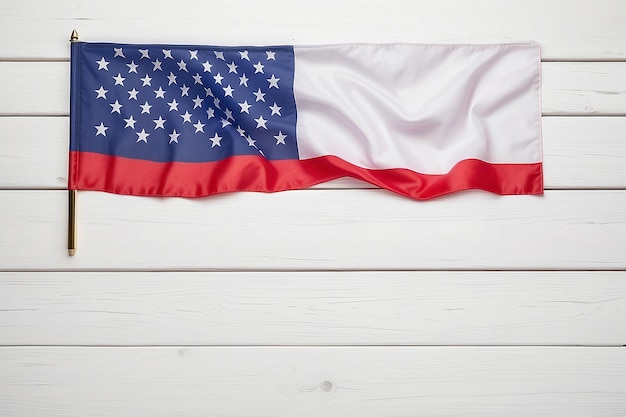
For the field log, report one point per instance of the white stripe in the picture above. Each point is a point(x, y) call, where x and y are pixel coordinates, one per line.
point(421, 107)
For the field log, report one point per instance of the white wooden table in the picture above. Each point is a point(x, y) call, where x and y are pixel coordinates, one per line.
point(340, 300)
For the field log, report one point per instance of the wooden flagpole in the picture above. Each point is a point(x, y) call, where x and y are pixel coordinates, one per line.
point(71, 221)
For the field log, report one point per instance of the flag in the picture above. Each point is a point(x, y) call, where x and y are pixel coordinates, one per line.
point(421, 120)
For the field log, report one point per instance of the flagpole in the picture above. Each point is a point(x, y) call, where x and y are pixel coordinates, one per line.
point(71, 226)
point(71, 220)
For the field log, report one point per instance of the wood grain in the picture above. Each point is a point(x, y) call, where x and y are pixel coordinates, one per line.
point(584, 88)
point(566, 30)
point(266, 305)
point(317, 308)
point(316, 230)
point(276, 382)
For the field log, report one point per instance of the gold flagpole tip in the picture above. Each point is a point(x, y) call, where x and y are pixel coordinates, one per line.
point(74, 36)
point(71, 252)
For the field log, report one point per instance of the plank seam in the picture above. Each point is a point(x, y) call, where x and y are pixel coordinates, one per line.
point(340, 346)
point(312, 270)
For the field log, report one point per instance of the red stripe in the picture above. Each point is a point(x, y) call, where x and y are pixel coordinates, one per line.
point(93, 171)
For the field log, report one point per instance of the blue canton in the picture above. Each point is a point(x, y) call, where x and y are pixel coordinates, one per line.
point(184, 103)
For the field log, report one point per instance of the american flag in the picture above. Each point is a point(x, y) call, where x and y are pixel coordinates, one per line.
point(187, 104)
point(192, 121)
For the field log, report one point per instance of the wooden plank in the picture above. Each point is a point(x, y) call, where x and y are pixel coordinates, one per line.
point(34, 152)
point(579, 152)
point(286, 381)
point(35, 88)
point(320, 308)
point(316, 230)
point(569, 88)
point(584, 88)
point(583, 30)
point(584, 152)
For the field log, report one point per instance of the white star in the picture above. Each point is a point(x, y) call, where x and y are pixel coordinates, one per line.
point(167, 53)
point(159, 123)
point(207, 66)
point(271, 55)
point(174, 136)
point(102, 129)
point(250, 141)
point(157, 65)
point(102, 93)
point(280, 138)
point(199, 127)
point(244, 55)
point(232, 68)
point(197, 79)
point(225, 122)
point(118, 52)
point(144, 53)
point(119, 80)
point(146, 80)
point(216, 102)
point(160, 93)
point(132, 94)
point(245, 107)
point(197, 102)
point(229, 114)
point(145, 108)
point(243, 80)
point(228, 91)
point(194, 55)
point(142, 136)
point(173, 105)
point(184, 90)
point(216, 140)
point(259, 95)
point(171, 78)
point(132, 67)
point(186, 117)
point(219, 55)
point(241, 131)
point(260, 122)
point(182, 66)
point(130, 122)
point(218, 78)
point(116, 107)
point(210, 112)
point(208, 91)
point(273, 81)
point(275, 109)
point(103, 64)
point(258, 67)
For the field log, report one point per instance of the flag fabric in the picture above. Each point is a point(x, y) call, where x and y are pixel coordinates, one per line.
point(418, 119)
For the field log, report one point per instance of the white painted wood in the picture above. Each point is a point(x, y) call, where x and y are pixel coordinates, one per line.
point(34, 152)
point(311, 233)
point(584, 152)
point(568, 382)
point(566, 29)
point(579, 152)
point(579, 88)
point(35, 88)
point(317, 229)
point(320, 308)
point(585, 88)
